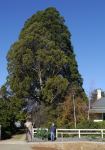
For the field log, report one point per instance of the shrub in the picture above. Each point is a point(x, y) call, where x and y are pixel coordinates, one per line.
point(41, 133)
point(101, 125)
point(6, 133)
point(88, 125)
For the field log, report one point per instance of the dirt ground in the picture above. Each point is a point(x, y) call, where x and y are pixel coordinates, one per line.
point(43, 148)
point(71, 146)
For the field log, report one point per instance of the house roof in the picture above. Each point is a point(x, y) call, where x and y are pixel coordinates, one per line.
point(97, 110)
point(98, 106)
point(99, 103)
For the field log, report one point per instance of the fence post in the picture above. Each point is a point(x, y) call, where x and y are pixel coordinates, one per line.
point(79, 133)
point(56, 133)
point(0, 132)
point(32, 134)
point(102, 133)
point(62, 136)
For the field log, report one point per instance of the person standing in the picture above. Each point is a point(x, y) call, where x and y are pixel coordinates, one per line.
point(28, 125)
point(52, 132)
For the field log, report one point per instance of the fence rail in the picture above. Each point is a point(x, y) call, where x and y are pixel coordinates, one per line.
point(80, 132)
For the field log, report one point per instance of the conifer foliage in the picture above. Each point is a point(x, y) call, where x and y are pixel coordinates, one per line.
point(41, 63)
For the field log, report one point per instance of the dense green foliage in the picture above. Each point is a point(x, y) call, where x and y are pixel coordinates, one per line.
point(43, 70)
point(43, 51)
point(10, 111)
point(89, 124)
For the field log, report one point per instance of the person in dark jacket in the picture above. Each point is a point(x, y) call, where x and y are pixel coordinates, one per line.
point(52, 132)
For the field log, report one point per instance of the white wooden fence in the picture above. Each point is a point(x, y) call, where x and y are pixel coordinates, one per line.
point(79, 132)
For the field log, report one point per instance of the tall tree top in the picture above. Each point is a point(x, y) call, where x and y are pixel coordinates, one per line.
point(43, 54)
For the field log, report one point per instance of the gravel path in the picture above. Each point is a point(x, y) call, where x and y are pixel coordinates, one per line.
point(15, 147)
point(18, 143)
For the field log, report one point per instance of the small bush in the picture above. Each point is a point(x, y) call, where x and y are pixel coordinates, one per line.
point(91, 125)
point(41, 133)
point(88, 125)
point(101, 125)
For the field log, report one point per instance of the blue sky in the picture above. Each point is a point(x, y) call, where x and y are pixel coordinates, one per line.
point(85, 20)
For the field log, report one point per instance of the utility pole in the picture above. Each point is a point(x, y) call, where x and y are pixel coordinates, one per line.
point(89, 97)
point(75, 120)
point(89, 109)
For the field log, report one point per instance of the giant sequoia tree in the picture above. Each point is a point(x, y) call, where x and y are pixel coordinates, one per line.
point(41, 63)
